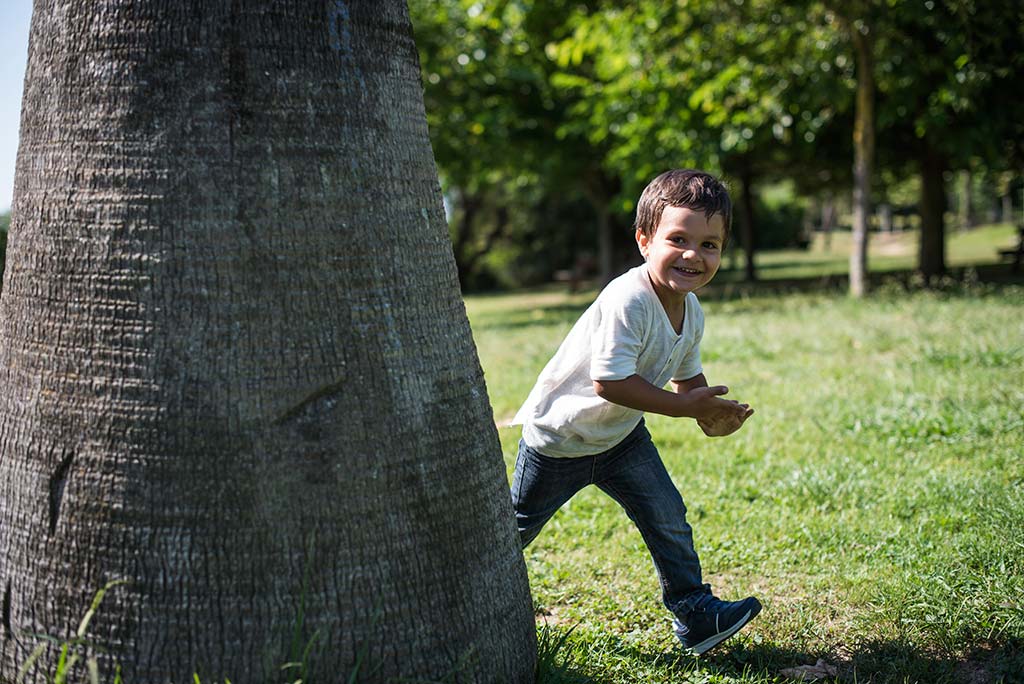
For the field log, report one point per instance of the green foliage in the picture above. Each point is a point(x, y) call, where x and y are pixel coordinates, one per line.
point(493, 115)
point(962, 98)
point(781, 218)
point(704, 84)
point(555, 656)
point(542, 104)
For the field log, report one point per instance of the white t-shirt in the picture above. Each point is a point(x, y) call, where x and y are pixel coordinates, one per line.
point(624, 332)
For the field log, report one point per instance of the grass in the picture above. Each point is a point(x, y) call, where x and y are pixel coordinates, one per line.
point(875, 502)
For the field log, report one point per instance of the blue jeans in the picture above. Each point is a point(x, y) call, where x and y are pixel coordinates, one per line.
point(632, 473)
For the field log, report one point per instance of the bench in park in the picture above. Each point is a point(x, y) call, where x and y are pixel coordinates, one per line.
point(1015, 253)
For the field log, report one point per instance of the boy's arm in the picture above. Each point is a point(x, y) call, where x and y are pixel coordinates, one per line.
point(696, 400)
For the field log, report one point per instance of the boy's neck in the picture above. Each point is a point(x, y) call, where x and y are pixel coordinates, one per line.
point(673, 304)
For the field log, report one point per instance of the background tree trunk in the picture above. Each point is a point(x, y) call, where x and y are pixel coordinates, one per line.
point(885, 217)
point(747, 235)
point(600, 189)
point(828, 215)
point(965, 207)
point(864, 153)
point(235, 368)
point(932, 258)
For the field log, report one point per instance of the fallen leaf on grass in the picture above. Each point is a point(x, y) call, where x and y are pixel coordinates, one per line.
point(811, 673)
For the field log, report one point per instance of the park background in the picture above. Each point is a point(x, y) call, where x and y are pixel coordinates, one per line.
point(875, 501)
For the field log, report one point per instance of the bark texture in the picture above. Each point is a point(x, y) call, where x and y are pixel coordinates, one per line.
point(235, 369)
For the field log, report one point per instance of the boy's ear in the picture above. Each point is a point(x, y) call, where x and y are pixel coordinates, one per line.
point(642, 242)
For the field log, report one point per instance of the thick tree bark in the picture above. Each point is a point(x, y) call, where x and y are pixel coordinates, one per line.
point(863, 153)
point(235, 370)
point(932, 258)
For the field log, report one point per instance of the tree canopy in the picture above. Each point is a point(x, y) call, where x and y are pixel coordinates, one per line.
point(535, 104)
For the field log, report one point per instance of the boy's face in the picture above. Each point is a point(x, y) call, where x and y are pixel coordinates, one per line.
point(684, 253)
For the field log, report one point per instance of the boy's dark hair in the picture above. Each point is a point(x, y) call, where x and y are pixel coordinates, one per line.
point(687, 188)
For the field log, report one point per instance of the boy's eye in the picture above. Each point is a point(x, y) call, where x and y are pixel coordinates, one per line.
point(710, 245)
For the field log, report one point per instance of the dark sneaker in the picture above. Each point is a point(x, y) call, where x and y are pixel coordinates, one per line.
point(712, 621)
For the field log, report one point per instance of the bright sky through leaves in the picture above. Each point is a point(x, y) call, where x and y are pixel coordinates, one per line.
point(14, 22)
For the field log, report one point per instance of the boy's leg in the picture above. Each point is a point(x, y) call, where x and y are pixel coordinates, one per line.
point(635, 477)
point(541, 485)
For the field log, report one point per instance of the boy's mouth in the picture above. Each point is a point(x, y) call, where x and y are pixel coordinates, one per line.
point(687, 271)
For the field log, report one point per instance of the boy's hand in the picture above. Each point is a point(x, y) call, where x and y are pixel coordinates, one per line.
point(718, 417)
point(692, 399)
point(725, 423)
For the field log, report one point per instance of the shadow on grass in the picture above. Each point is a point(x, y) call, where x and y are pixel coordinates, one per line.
point(994, 662)
point(879, 662)
point(551, 314)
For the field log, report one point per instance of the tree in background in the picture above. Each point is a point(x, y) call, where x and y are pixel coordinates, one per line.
point(948, 94)
point(235, 370)
point(760, 91)
point(738, 89)
point(857, 20)
point(496, 117)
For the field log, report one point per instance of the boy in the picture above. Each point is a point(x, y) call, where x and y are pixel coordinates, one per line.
point(583, 421)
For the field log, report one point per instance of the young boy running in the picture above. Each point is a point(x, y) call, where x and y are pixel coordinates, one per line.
point(583, 421)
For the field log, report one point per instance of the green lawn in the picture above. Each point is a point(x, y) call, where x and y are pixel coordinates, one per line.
point(875, 502)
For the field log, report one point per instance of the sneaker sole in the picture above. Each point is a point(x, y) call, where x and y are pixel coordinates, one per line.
point(711, 642)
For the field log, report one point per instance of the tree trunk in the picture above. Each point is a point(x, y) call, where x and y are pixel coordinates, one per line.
point(605, 259)
point(235, 370)
point(828, 214)
point(863, 153)
point(599, 189)
point(965, 205)
point(885, 217)
point(932, 261)
point(468, 266)
point(747, 235)
point(464, 228)
point(1006, 208)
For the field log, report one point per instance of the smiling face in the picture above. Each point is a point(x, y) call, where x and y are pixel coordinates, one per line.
point(684, 252)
